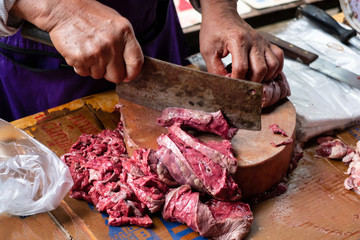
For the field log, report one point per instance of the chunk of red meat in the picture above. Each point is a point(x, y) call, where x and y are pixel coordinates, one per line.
point(170, 155)
point(213, 122)
point(215, 219)
point(219, 152)
point(193, 162)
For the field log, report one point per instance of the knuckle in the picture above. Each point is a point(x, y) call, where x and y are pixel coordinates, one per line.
point(97, 75)
point(261, 71)
point(81, 71)
point(273, 64)
point(124, 26)
point(240, 67)
point(278, 52)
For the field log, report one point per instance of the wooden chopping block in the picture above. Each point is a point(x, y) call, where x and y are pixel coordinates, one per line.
point(260, 165)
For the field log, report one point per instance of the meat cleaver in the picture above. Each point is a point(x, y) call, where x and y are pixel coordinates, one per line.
point(161, 84)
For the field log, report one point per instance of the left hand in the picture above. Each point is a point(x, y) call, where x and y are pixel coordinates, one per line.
point(223, 31)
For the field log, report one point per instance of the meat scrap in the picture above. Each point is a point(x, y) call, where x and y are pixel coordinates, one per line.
point(216, 219)
point(126, 188)
point(277, 130)
point(286, 142)
point(213, 122)
point(195, 163)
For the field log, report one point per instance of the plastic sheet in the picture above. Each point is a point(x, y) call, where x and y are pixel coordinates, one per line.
point(32, 178)
point(322, 103)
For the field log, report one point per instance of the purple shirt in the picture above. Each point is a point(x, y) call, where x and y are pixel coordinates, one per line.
point(34, 77)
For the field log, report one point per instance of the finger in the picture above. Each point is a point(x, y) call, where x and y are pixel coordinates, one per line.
point(115, 70)
point(278, 52)
point(272, 64)
point(82, 70)
point(134, 59)
point(240, 60)
point(258, 68)
point(98, 69)
point(215, 65)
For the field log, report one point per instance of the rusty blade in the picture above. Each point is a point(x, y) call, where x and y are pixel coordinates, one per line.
point(161, 84)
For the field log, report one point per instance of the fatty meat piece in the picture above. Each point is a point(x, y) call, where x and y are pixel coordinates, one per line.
point(216, 219)
point(332, 149)
point(190, 161)
point(212, 122)
point(353, 181)
point(353, 159)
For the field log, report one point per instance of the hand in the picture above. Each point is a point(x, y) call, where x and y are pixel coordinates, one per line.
point(223, 31)
point(93, 38)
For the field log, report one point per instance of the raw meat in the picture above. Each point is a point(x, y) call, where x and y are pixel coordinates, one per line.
point(332, 148)
point(275, 90)
point(192, 162)
point(129, 189)
point(203, 121)
point(277, 130)
point(215, 219)
point(336, 149)
point(353, 159)
point(126, 188)
point(219, 152)
point(286, 142)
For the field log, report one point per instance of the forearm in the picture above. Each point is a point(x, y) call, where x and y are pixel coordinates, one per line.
point(221, 10)
point(213, 4)
point(45, 14)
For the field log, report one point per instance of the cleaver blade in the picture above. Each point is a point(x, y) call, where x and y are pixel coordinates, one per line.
point(161, 84)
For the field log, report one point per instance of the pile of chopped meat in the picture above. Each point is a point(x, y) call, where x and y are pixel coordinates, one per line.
point(173, 177)
point(126, 188)
point(336, 149)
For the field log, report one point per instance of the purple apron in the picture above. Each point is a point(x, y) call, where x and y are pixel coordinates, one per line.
point(34, 77)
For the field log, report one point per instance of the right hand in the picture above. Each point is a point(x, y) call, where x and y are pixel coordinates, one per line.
point(93, 38)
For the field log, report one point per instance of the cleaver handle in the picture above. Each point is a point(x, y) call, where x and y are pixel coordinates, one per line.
point(290, 50)
point(327, 23)
point(32, 32)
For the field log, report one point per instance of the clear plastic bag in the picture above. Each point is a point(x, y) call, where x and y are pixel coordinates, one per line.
point(32, 178)
point(322, 103)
